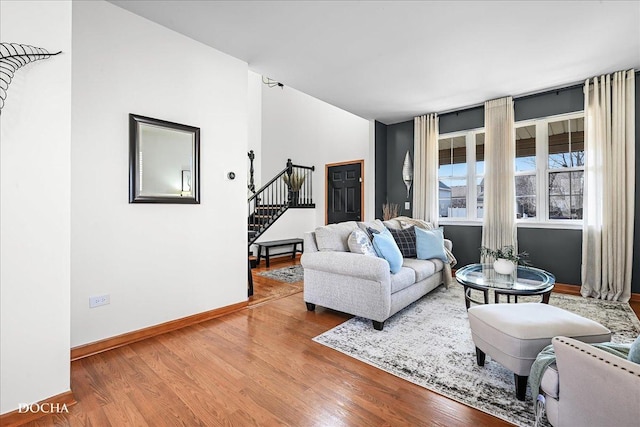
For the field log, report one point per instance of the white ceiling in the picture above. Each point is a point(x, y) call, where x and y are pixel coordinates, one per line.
point(393, 60)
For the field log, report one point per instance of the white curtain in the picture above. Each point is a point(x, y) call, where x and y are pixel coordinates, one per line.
point(425, 168)
point(609, 186)
point(498, 227)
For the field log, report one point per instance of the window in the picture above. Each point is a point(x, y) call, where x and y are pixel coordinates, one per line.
point(566, 168)
point(549, 172)
point(525, 167)
point(452, 175)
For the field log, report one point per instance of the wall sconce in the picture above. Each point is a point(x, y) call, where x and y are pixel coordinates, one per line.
point(407, 172)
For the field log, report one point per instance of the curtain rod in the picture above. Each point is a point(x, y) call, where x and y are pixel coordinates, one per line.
point(517, 98)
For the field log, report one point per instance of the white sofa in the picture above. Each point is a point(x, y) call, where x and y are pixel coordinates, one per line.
point(362, 285)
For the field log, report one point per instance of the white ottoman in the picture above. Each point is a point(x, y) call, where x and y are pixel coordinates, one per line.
point(514, 334)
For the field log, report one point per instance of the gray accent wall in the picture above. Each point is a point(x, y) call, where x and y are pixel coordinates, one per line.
point(399, 140)
point(556, 250)
point(381, 167)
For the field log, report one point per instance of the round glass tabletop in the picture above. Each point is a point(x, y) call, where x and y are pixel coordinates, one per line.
point(522, 280)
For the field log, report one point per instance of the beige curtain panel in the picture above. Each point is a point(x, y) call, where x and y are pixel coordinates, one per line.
point(609, 186)
point(498, 226)
point(425, 168)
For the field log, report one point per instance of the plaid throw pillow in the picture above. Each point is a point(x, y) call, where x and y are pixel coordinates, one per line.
point(406, 241)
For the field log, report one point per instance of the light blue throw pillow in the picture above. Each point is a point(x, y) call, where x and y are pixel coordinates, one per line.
point(430, 244)
point(387, 248)
point(634, 351)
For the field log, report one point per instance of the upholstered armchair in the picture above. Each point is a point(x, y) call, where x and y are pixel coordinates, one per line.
point(587, 386)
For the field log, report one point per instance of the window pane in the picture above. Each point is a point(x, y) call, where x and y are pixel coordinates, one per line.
point(525, 196)
point(480, 154)
point(526, 148)
point(480, 197)
point(566, 143)
point(453, 197)
point(565, 195)
point(559, 183)
point(452, 154)
point(559, 207)
point(577, 142)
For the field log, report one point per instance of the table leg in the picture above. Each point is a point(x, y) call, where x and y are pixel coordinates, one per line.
point(295, 248)
point(467, 298)
point(259, 254)
point(545, 297)
point(267, 255)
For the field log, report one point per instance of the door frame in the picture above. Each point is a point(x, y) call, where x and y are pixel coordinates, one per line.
point(326, 186)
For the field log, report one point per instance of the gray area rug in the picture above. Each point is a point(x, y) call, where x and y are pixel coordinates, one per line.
point(291, 274)
point(429, 344)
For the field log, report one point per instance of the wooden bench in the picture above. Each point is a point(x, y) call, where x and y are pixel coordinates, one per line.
point(279, 243)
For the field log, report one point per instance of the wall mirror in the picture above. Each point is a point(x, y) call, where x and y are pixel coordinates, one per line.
point(164, 161)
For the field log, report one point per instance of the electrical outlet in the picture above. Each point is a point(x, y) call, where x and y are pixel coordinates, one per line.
point(407, 205)
point(99, 300)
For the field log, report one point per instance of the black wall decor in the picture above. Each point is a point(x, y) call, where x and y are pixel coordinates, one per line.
point(12, 57)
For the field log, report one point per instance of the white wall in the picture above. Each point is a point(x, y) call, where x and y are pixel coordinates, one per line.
point(35, 140)
point(312, 133)
point(254, 133)
point(158, 262)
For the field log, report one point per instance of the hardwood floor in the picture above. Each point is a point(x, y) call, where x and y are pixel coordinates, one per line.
point(266, 289)
point(256, 367)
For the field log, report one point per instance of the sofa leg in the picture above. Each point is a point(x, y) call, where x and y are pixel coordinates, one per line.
point(480, 357)
point(310, 306)
point(378, 325)
point(521, 386)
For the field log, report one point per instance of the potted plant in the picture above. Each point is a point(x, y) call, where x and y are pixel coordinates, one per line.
point(505, 259)
point(294, 182)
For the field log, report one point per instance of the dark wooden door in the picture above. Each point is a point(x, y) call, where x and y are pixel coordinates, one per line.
point(344, 193)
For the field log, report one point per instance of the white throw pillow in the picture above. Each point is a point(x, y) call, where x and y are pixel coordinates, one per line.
point(359, 243)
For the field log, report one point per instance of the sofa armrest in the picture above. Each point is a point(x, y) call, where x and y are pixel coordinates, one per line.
point(586, 375)
point(348, 264)
point(448, 244)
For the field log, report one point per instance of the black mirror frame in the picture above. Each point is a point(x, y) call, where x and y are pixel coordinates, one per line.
point(134, 121)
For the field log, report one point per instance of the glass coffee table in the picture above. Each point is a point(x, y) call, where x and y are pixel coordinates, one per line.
point(524, 281)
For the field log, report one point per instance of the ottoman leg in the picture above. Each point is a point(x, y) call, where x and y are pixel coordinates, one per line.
point(521, 386)
point(480, 356)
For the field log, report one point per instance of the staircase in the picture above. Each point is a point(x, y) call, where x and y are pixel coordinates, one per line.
point(291, 188)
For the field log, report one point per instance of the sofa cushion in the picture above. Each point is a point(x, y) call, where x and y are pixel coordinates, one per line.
point(550, 383)
point(359, 243)
point(334, 237)
point(430, 244)
point(423, 268)
point(386, 248)
point(406, 241)
point(402, 279)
